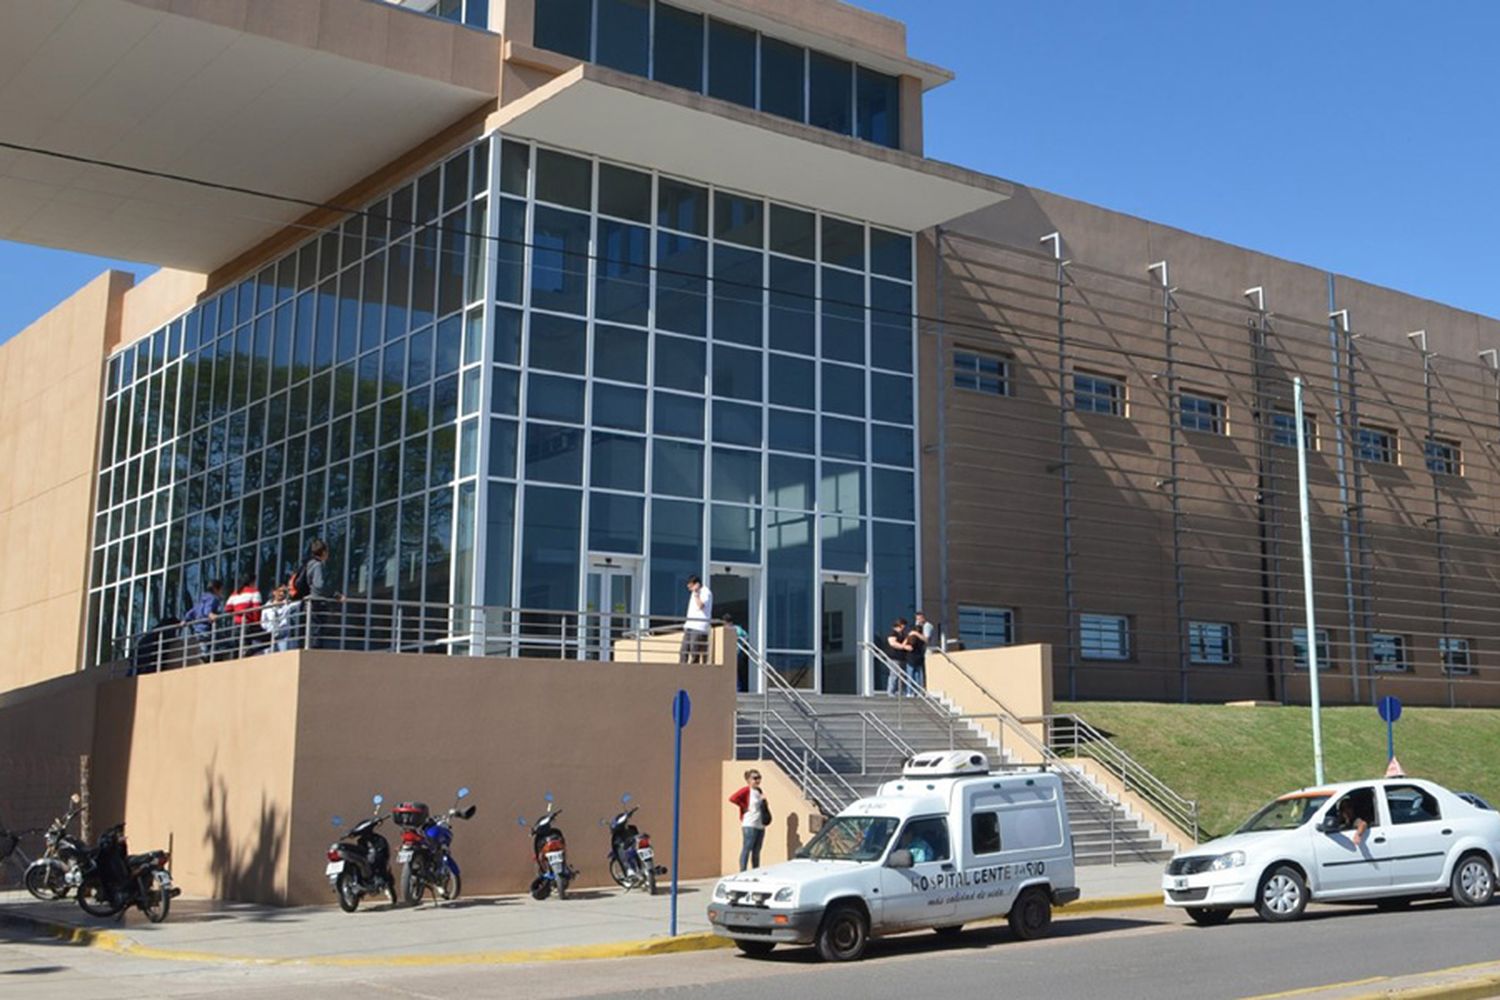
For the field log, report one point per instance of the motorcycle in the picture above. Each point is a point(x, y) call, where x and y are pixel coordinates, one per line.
point(112, 879)
point(631, 857)
point(60, 868)
point(549, 849)
point(426, 857)
point(359, 862)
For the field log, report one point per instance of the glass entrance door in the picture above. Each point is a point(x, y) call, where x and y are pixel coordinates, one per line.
point(736, 596)
point(610, 603)
point(843, 625)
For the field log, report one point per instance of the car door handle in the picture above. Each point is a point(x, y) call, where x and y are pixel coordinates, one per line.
point(1447, 833)
point(1379, 840)
point(947, 867)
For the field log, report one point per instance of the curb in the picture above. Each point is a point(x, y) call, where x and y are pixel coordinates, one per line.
point(1468, 989)
point(118, 943)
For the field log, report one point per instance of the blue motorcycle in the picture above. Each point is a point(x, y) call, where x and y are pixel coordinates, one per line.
point(426, 856)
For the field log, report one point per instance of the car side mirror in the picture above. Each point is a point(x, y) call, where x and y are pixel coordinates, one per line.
point(900, 858)
point(1329, 824)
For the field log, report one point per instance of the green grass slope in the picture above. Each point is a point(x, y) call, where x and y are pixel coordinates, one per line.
point(1233, 760)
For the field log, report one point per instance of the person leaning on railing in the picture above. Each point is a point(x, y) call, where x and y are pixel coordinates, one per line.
point(203, 616)
point(315, 583)
point(276, 620)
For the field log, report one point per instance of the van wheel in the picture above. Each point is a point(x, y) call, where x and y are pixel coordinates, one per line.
point(755, 949)
point(1207, 916)
point(1282, 895)
point(1473, 882)
point(844, 934)
point(949, 932)
point(1031, 914)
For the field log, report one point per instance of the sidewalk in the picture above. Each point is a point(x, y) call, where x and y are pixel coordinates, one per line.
point(590, 923)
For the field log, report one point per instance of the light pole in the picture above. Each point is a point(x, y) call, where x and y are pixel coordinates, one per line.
point(1307, 584)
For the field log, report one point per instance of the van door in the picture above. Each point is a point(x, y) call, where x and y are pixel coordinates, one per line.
point(923, 895)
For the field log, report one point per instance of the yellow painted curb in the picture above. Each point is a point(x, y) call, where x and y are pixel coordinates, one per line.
point(1467, 989)
point(119, 944)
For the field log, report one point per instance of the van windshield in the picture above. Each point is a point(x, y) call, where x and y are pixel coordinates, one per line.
point(851, 838)
point(1286, 813)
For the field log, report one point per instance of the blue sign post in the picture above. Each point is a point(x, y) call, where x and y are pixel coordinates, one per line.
point(682, 710)
point(1390, 710)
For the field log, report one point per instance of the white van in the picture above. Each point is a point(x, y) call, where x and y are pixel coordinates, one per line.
point(947, 844)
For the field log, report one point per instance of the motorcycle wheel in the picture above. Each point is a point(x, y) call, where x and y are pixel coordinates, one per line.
point(47, 879)
point(94, 900)
point(617, 872)
point(541, 888)
point(156, 903)
point(412, 885)
point(348, 891)
point(452, 885)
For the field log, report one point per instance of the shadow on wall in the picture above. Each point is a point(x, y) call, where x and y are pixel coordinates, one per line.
point(244, 866)
point(794, 839)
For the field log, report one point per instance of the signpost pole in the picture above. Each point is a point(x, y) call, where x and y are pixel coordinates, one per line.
point(1307, 585)
point(682, 708)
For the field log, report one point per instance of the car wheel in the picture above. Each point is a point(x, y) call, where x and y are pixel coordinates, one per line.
point(1208, 916)
point(1282, 895)
point(844, 934)
point(1031, 914)
point(1473, 882)
point(755, 949)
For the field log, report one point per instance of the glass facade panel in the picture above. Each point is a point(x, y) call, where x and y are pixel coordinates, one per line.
point(878, 108)
point(830, 93)
point(677, 52)
point(731, 63)
point(624, 39)
point(783, 69)
point(563, 26)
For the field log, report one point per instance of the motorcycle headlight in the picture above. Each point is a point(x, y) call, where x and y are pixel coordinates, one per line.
point(785, 894)
point(721, 894)
point(1234, 859)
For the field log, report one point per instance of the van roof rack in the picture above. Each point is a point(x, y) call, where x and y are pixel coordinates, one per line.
point(946, 764)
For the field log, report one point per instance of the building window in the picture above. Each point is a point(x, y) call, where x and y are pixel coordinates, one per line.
point(986, 628)
point(1284, 429)
point(1375, 444)
point(985, 373)
point(1387, 651)
point(1299, 649)
point(1098, 394)
point(1211, 643)
point(1200, 413)
point(1455, 654)
point(1104, 637)
point(1444, 457)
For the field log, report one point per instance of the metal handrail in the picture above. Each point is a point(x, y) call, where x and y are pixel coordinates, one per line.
point(925, 698)
point(1176, 808)
point(802, 762)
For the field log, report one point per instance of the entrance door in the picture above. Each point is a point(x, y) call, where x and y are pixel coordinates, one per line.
point(610, 606)
point(843, 626)
point(735, 597)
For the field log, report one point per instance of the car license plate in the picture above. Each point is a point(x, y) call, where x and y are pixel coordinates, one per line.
point(404, 856)
point(731, 917)
point(555, 859)
point(334, 868)
point(1180, 883)
point(645, 854)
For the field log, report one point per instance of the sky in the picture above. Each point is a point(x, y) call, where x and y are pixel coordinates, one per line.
point(1358, 136)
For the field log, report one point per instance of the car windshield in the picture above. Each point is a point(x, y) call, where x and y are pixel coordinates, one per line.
point(1286, 813)
point(851, 838)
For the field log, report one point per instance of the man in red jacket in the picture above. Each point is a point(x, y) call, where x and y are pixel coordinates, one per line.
point(752, 803)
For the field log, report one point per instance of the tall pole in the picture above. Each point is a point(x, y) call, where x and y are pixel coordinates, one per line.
point(1307, 586)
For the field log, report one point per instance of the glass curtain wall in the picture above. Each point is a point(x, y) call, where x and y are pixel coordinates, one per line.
point(685, 377)
point(334, 394)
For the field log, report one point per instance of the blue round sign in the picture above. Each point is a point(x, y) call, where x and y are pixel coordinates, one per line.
point(1389, 708)
point(682, 708)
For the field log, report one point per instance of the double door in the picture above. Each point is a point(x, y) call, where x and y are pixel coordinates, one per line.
point(611, 601)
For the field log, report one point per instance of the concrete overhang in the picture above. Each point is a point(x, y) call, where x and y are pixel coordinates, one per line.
point(299, 99)
point(620, 117)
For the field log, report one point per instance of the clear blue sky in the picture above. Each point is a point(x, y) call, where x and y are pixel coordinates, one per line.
point(1359, 137)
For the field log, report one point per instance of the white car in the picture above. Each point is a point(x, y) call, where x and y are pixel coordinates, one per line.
point(1383, 841)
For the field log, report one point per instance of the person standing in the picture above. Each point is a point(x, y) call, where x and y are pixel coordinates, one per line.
point(276, 620)
point(930, 632)
point(315, 585)
point(741, 658)
point(755, 814)
point(916, 660)
point(698, 621)
point(244, 606)
point(203, 616)
point(895, 643)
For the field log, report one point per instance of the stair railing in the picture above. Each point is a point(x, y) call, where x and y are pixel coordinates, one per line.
point(778, 740)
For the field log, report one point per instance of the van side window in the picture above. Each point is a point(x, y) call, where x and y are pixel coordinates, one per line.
point(927, 839)
point(984, 833)
point(1410, 804)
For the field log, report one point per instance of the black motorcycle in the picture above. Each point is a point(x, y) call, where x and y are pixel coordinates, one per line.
point(427, 850)
point(113, 879)
point(359, 863)
point(60, 870)
point(632, 861)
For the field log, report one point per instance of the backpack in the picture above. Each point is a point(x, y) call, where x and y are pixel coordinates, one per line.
point(298, 585)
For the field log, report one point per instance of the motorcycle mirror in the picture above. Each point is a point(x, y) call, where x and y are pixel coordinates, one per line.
point(548, 796)
point(463, 792)
point(625, 799)
point(338, 821)
point(377, 800)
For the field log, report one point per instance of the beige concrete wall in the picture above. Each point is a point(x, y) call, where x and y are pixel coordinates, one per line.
point(50, 388)
point(1015, 680)
point(156, 301)
point(794, 818)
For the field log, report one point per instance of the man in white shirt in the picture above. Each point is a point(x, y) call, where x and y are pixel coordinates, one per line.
point(699, 619)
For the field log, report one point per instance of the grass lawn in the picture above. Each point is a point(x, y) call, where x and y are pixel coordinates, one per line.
point(1233, 760)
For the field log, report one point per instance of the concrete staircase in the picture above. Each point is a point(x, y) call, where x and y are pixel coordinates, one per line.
point(864, 741)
